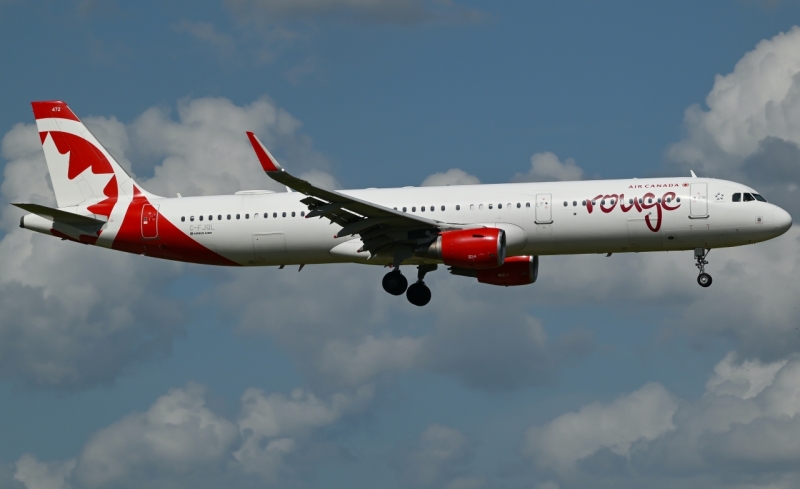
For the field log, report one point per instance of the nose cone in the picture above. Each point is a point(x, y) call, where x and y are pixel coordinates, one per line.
point(782, 220)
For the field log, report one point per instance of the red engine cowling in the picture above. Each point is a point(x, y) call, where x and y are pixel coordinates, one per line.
point(517, 270)
point(468, 248)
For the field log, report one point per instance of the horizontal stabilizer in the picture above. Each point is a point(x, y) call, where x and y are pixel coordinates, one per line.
point(57, 215)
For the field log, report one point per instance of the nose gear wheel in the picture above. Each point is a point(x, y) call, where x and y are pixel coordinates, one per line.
point(700, 255)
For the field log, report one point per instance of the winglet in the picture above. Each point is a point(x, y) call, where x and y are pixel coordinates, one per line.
point(268, 162)
point(693, 175)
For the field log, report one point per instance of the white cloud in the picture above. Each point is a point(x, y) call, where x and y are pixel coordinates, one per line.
point(34, 474)
point(435, 459)
point(356, 364)
point(206, 151)
point(181, 442)
point(743, 380)
point(178, 441)
point(644, 414)
point(723, 439)
point(751, 130)
point(546, 167)
point(453, 176)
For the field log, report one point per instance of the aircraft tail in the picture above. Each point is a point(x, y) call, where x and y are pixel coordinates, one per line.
point(82, 171)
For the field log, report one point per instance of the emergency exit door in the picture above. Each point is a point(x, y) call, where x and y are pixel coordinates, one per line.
point(699, 203)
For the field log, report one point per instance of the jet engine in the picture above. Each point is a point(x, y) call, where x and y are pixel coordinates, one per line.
point(473, 249)
point(516, 270)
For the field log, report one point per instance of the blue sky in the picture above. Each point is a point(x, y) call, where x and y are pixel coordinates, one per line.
point(120, 371)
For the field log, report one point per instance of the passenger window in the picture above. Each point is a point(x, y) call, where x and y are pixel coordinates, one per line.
point(583, 203)
point(210, 218)
point(266, 215)
point(472, 207)
point(759, 198)
point(659, 200)
point(574, 203)
point(247, 216)
point(603, 202)
point(237, 216)
point(490, 206)
point(302, 213)
point(748, 197)
point(442, 207)
point(274, 214)
point(499, 206)
point(414, 209)
point(649, 201)
point(480, 207)
point(458, 207)
point(423, 208)
point(640, 200)
point(594, 202)
point(613, 201)
point(737, 197)
point(292, 213)
point(630, 201)
point(229, 217)
point(519, 205)
point(183, 218)
point(283, 214)
point(404, 209)
point(219, 217)
point(566, 203)
point(200, 217)
point(678, 199)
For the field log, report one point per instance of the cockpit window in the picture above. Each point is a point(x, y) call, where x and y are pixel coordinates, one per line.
point(737, 197)
point(748, 197)
point(759, 198)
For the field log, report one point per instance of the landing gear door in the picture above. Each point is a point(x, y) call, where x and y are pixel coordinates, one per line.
point(149, 221)
point(544, 208)
point(270, 248)
point(699, 203)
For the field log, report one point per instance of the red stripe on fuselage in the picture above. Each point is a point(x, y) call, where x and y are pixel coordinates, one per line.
point(171, 243)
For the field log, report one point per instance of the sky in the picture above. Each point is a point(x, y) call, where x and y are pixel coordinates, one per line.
point(122, 371)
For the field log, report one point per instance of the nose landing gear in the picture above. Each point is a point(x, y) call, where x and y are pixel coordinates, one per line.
point(700, 255)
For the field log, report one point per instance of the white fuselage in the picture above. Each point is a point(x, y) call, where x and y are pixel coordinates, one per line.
point(263, 228)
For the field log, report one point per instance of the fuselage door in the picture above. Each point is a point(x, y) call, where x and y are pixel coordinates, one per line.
point(544, 208)
point(699, 203)
point(149, 221)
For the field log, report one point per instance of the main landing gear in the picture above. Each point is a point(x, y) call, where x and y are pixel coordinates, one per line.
point(418, 293)
point(700, 255)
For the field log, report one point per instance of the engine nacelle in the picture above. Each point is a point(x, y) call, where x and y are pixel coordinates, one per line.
point(517, 270)
point(468, 248)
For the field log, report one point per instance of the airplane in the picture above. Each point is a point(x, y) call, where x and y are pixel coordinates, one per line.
point(494, 233)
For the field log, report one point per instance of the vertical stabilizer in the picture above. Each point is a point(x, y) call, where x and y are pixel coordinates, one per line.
point(83, 172)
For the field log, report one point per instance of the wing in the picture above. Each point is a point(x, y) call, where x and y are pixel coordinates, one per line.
point(379, 227)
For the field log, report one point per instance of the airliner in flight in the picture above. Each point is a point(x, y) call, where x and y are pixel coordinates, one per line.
point(493, 233)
